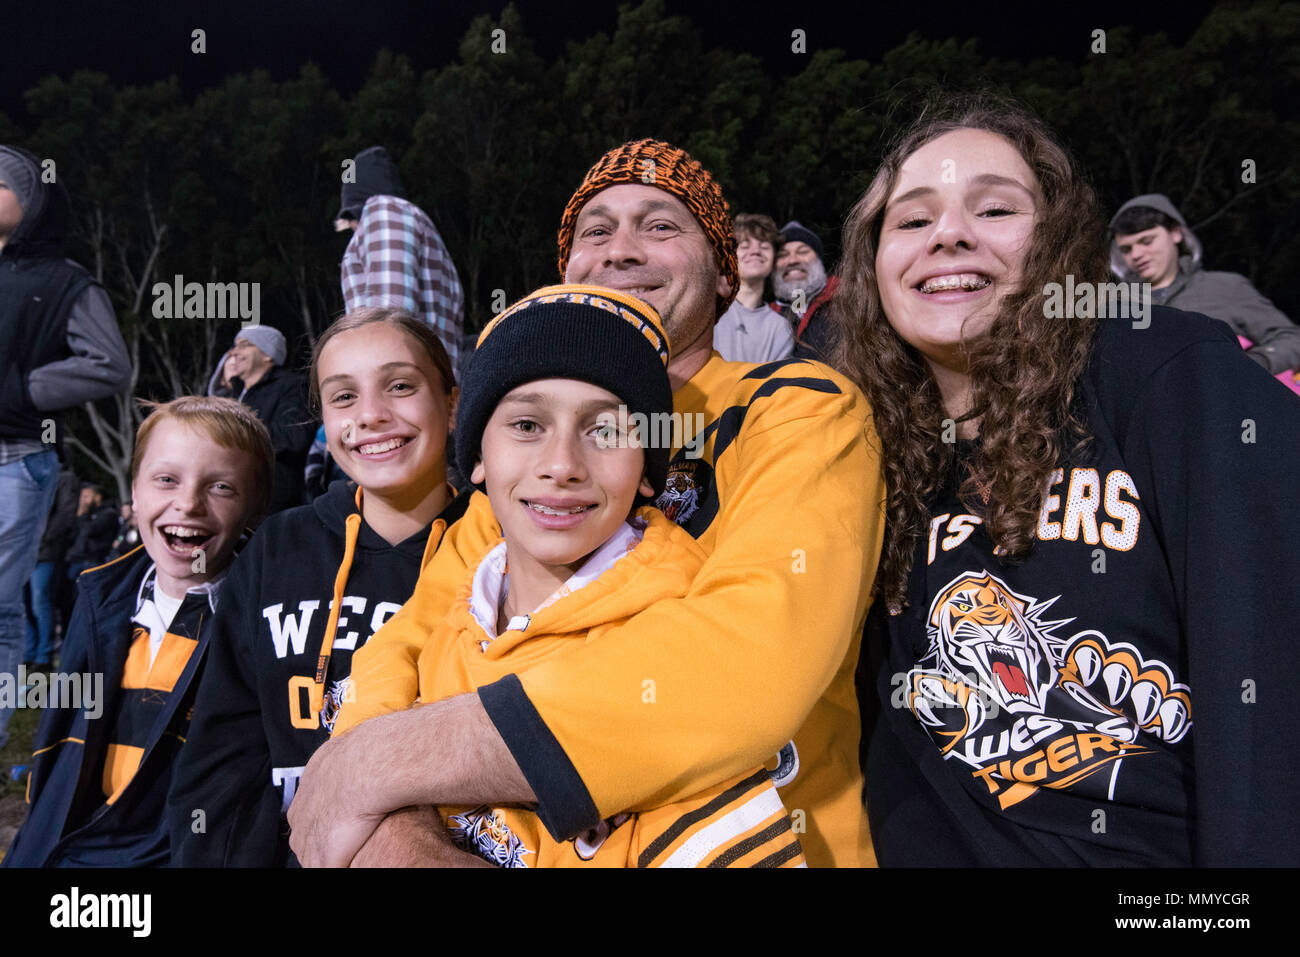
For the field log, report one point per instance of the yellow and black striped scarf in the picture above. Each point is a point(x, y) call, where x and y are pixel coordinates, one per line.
point(147, 689)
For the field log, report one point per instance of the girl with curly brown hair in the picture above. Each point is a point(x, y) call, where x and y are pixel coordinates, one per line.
point(1130, 473)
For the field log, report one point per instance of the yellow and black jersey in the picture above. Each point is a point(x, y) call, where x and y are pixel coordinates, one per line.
point(776, 473)
point(738, 823)
point(742, 823)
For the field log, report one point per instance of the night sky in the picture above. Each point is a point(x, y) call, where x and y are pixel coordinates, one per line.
point(342, 36)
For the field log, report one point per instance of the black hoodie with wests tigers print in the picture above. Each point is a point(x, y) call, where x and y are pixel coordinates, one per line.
point(272, 688)
point(1122, 695)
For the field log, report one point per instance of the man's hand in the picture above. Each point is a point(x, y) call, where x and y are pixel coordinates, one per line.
point(414, 837)
point(330, 817)
point(448, 752)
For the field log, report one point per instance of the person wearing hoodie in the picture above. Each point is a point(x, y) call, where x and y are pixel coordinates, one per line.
point(60, 346)
point(1082, 642)
point(781, 467)
point(313, 585)
point(1151, 242)
point(396, 257)
point(538, 417)
point(252, 372)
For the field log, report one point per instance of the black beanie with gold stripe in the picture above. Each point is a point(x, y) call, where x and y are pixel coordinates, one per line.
point(589, 333)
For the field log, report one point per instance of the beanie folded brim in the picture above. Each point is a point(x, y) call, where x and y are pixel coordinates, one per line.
point(566, 340)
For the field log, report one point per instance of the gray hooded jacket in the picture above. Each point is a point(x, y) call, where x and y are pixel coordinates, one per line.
point(93, 362)
point(1228, 296)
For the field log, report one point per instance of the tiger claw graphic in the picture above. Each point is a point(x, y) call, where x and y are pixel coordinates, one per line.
point(1109, 677)
point(948, 708)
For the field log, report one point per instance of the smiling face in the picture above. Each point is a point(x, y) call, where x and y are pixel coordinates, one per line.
point(246, 361)
point(385, 411)
point(798, 273)
point(234, 364)
point(558, 485)
point(793, 263)
point(953, 239)
point(756, 256)
point(191, 493)
point(644, 241)
point(1152, 254)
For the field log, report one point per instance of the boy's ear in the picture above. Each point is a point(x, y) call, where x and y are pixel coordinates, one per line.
point(645, 488)
point(451, 411)
point(478, 476)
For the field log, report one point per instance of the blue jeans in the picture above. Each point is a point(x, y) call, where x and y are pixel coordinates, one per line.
point(27, 490)
point(40, 639)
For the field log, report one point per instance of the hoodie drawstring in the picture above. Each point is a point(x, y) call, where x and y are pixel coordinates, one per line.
point(351, 532)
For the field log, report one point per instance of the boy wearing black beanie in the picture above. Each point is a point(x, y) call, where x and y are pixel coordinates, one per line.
point(538, 418)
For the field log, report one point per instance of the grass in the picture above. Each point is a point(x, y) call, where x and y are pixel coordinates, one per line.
point(18, 749)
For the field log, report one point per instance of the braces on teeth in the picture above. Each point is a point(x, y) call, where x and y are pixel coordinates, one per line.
point(944, 283)
point(547, 510)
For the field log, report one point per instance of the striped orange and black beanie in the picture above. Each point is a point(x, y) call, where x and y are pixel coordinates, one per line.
point(595, 335)
point(656, 163)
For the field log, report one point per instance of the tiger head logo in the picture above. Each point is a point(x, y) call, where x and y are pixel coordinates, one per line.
point(340, 693)
point(981, 628)
point(682, 490)
point(486, 832)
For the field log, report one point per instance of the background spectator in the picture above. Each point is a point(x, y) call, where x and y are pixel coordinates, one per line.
point(128, 532)
point(321, 468)
point(804, 291)
point(59, 347)
point(1152, 243)
point(396, 257)
point(750, 331)
point(254, 367)
point(48, 574)
point(94, 529)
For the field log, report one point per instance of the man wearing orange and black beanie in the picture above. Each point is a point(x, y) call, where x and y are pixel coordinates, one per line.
point(755, 665)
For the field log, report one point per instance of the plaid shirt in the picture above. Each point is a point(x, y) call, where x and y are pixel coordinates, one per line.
point(396, 258)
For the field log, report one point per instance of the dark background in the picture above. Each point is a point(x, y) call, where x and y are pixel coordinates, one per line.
point(341, 36)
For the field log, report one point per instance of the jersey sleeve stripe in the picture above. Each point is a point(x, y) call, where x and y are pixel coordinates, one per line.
point(741, 848)
point(564, 804)
point(783, 857)
point(679, 827)
point(729, 423)
point(726, 829)
point(766, 369)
